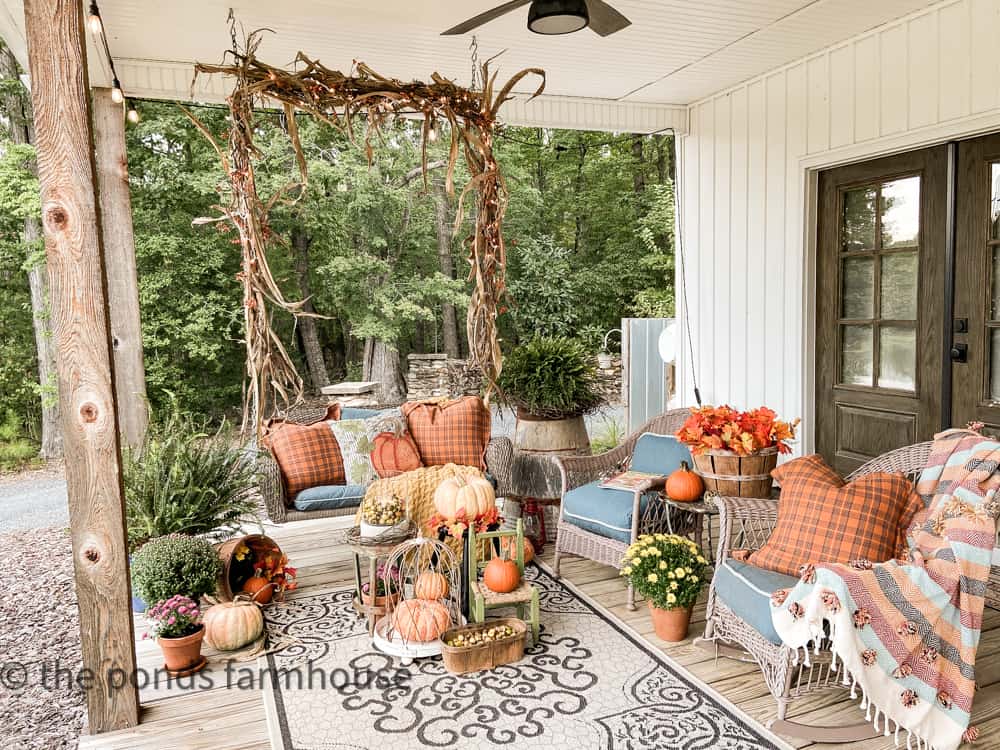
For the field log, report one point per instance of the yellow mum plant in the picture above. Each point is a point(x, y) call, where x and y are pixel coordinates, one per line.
point(686, 566)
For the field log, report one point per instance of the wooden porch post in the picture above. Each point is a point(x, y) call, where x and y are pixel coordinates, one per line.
point(71, 219)
point(119, 262)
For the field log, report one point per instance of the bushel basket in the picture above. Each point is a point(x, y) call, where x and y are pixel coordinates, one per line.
point(732, 475)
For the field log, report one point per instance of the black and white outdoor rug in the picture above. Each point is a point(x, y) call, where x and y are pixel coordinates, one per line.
point(591, 682)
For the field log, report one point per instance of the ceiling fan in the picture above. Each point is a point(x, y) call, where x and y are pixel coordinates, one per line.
point(554, 17)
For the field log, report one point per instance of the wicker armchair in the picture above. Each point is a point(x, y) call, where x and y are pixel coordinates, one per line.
point(579, 470)
point(499, 460)
point(747, 524)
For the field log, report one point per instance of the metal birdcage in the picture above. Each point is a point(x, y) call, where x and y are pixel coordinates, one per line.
point(429, 576)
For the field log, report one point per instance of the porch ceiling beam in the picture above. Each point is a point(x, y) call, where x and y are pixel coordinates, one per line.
point(80, 321)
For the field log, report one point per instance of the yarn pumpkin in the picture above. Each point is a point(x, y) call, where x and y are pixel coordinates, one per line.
point(470, 497)
point(233, 625)
point(394, 454)
point(684, 485)
point(501, 576)
point(430, 585)
point(420, 620)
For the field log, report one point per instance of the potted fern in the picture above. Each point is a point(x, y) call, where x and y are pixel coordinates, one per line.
point(552, 383)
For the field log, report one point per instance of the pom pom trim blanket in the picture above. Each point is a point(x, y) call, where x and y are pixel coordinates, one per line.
point(906, 631)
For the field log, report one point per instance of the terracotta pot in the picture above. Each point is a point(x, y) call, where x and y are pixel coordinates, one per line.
point(670, 624)
point(181, 654)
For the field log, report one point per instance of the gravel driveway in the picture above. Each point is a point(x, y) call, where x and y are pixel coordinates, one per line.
point(33, 500)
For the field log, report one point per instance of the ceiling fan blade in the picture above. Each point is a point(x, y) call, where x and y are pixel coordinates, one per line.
point(604, 19)
point(477, 21)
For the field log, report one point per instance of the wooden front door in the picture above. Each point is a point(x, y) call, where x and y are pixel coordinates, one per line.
point(880, 271)
point(976, 324)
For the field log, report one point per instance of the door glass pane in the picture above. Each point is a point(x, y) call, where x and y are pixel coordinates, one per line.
point(995, 200)
point(859, 220)
point(900, 212)
point(859, 288)
point(899, 286)
point(857, 351)
point(995, 365)
point(897, 358)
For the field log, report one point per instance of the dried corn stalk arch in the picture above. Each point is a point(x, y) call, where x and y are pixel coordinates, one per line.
point(338, 100)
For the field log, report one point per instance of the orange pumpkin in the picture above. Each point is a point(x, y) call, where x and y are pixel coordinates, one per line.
point(430, 585)
point(394, 454)
point(684, 485)
point(501, 576)
point(473, 495)
point(420, 620)
point(260, 589)
point(508, 548)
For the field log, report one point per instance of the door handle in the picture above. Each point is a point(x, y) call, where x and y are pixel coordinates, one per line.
point(959, 352)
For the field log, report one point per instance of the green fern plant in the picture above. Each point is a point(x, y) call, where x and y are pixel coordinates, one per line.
point(552, 378)
point(185, 480)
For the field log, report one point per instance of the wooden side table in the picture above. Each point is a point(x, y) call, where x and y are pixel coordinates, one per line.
point(697, 513)
point(373, 551)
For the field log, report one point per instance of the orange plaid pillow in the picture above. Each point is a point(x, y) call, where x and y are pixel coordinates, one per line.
point(823, 520)
point(308, 456)
point(450, 432)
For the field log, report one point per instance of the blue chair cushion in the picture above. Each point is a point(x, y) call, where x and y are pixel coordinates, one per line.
point(746, 590)
point(606, 512)
point(330, 497)
point(659, 454)
point(349, 412)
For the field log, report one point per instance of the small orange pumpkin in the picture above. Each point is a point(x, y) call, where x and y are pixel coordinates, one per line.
point(420, 620)
point(260, 589)
point(501, 576)
point(508, 548)
point(430, 585)
point(684, 485)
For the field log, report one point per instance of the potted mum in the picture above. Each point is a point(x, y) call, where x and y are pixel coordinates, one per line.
point(552, 383)
point(176, 625)
point(669, 571)
point(175, 564)
point(736, 451)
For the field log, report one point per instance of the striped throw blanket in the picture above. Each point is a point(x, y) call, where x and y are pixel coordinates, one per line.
point(906, 631)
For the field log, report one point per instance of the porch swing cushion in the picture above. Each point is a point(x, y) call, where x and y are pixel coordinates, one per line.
point(602, 511)
point(746, 590)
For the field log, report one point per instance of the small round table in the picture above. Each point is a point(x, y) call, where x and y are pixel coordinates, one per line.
point(378, 548)
point(697, 512)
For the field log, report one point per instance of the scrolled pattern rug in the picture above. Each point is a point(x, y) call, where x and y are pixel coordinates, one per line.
point(590, 682)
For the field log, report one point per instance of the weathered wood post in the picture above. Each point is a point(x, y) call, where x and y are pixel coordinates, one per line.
point(119, 263)
point(71, 220)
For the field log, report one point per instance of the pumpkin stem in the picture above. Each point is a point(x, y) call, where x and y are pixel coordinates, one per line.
point(684, 466)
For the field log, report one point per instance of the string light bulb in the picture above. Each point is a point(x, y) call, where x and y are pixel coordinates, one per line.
point(432, 133)
point(94, 19)
point(132, 114)
point(116, 92)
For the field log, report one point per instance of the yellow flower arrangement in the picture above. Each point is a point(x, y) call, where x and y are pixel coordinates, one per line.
point(667, 569)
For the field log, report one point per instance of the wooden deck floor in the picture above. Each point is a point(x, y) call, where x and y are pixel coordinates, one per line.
point(231, 719)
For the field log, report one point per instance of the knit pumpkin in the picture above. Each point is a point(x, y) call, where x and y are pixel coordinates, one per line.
point(394, 452)
point(420, 620)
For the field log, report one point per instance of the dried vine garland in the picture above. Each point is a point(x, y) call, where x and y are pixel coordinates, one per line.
point(338, 100)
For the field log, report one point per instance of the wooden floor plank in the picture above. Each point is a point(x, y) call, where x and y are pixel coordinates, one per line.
point(223, 719)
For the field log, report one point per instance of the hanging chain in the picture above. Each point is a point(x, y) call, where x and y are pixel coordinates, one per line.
point(474, 50)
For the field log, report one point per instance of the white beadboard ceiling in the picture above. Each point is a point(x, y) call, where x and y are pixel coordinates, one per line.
point(676, 51)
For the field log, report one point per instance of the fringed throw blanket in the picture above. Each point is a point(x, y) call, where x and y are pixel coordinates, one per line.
point(906, 631)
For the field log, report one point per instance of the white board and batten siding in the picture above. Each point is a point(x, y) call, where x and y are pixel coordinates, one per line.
point(748, 174)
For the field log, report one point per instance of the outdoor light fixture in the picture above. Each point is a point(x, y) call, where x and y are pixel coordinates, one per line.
point(116, 92)
point(132, 114)
point(94, 19)
point(558, 16)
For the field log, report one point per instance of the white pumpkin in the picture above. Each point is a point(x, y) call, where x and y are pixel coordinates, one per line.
point(474, 495)
point(233, 625)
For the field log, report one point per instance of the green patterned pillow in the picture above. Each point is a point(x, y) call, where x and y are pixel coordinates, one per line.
point(355, 437)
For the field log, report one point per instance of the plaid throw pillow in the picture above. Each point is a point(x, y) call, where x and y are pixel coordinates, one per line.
point(823, 520)
point(308, 456)
point(450, 432)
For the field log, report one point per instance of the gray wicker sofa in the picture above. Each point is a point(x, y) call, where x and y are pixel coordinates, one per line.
point(499, 460)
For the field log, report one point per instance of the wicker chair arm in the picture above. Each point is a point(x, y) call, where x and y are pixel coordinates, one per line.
point(272, 489)
point(577, 471)
point(744, 523)
point(500, 464)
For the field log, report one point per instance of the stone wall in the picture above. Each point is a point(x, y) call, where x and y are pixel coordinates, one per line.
point(432, 375)
point(610, 380)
